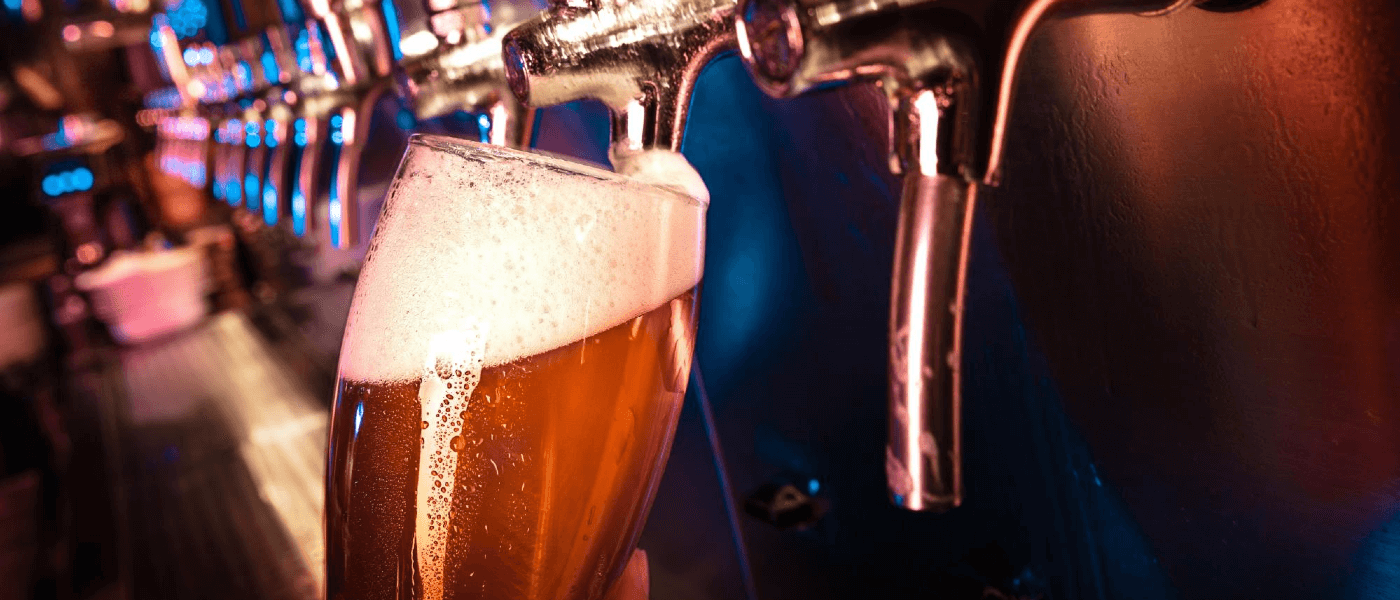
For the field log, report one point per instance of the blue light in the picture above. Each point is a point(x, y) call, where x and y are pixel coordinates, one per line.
point(483, 128)
point(253, 140)
point(333, 212)
point(82, 179)
point(191, 56)
point(218, 189)
point(235, 193)
point(13, 5)
point(52, 186)
point(300, 139)
point(813, 486)
point(206, 55)
point(251, 127)
point(359, 417)
point(391, 21)
point(291, 11)
point(188, 17)
point(333, 204)
point(242, 74)
point(337, 137)
point(336, 120)
point(298, 212)
point(269, 197)
point(270, 68)
point(271, 129)
point(250, 187)
point(405, 119)
point(76, 180)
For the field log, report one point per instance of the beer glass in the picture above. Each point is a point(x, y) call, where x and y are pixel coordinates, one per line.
point(510, 379)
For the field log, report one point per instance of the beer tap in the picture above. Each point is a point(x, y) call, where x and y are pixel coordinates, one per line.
point(464, 70)
point(640, 58)
point(948, 71)
point(335, 117)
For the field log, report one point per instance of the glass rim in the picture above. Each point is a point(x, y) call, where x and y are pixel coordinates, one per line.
point(471, 150)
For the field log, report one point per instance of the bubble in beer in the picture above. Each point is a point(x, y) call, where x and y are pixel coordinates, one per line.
point(464, 279)
point(450, 352)
point(599, 248)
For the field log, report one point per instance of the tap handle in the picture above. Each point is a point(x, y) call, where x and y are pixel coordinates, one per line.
point(349, 128)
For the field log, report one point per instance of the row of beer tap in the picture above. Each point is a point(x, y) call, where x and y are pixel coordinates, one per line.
point(293, 95)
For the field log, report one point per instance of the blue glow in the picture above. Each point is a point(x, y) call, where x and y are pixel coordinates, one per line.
point(813, 486)
point(333, 204)
point(359, 417)
point(218, 188)
point(291, 11)
point(235, 193)
point(405, 119)
point(206, 55)
point(191, 56)
point(298, 198)
point(336, 120)
point(81, 178)
point(269, 197)
point(253, 140)
point(483, 127)
point(250, 187)
point(13, 5)
point(298, 212)
point(187, 17)
point(271, 129)
point(391, 22)
point(242, 74)
point(303, 50)
point(52, 186)
point(270, 68)
point(299, 125)
point(75, 180)
point(337, 137)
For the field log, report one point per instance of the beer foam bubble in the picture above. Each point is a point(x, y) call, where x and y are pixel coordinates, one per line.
point(537, 252)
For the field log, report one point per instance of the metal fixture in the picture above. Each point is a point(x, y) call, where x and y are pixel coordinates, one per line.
point(948, 71)
point(639, 58)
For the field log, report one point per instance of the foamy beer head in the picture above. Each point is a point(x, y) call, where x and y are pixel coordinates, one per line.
point(511, 375)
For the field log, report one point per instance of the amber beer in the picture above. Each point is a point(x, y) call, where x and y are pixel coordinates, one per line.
point(512, 373)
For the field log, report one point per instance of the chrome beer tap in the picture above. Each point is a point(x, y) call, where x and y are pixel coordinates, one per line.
point(948, 71)
point(462, 69)
point(335, 109)
point(640, 58)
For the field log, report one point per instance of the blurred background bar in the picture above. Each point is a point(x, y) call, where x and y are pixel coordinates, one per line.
point(1181, 330)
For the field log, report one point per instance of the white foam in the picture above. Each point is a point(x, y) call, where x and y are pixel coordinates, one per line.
point(530, 250)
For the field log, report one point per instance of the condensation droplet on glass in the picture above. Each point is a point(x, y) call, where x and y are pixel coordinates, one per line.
point(458, 444)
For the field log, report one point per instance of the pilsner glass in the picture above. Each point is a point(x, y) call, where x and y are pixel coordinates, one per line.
point(511, 375)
